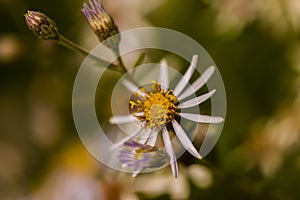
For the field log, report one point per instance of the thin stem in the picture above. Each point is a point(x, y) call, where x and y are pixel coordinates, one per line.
point(123, 68)
point(122, 64)
point(71, 45)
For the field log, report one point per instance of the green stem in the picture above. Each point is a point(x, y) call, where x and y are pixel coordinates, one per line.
point(71, 45)
point(122, 64)
point(123, 68)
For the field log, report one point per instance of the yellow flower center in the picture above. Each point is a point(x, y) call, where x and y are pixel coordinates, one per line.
point(158, 108)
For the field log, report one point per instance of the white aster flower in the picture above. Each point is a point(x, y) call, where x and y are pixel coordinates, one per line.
point(158, 111)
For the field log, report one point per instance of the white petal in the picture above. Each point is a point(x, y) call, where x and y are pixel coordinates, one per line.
point(197, 84)
point(131, 87)
point(136, 171)
point(139, 114)
point(170, 152)
point(201, 118)
point(197, 100)
point(145, 134)
point(186, 77)
point(184, 139)
point(152, 139)
point(122, 119)
point(163, 74)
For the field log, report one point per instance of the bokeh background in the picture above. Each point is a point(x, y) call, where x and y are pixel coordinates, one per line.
point(255, 44)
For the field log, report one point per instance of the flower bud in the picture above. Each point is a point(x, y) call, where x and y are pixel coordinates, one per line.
point(101, 23)
point(41, 25)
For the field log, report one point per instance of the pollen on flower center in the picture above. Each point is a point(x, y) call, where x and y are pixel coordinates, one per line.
point(158, 108)
point(157, 112)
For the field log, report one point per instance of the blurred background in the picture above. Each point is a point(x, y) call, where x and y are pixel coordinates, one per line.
point(256, 47)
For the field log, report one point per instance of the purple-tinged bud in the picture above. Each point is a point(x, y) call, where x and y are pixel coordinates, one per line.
point(101, 23)
point(41, 25)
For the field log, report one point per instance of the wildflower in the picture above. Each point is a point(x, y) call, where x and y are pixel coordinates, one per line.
point(159, 110)
point(138, 156)
point(41, 25)
point(101, 23)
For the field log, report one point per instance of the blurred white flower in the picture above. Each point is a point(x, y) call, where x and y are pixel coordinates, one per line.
point(67, 185)
point(277, 16)
point(161, 183)
point(156, 184)
point(233, 15)
point(200, 176)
